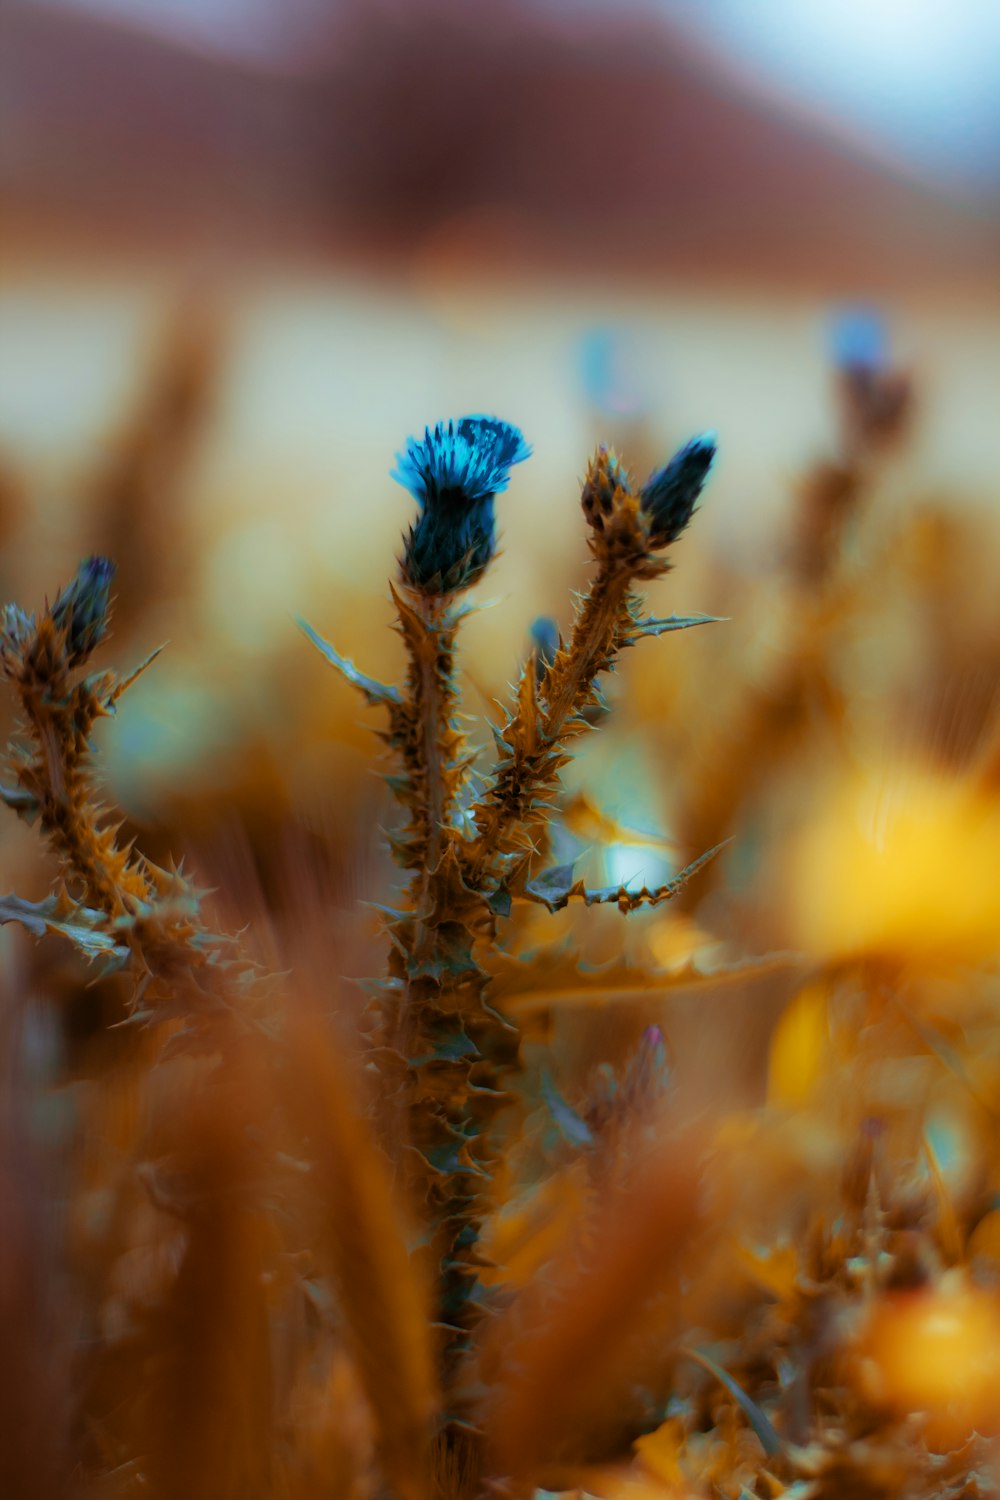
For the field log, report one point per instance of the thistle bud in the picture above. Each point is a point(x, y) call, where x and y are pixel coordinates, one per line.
point(606, 485)
point(16, 629)
point(81, 610)
point(545, 639)
point(669, 495)
point(876, 399)
point(454, 475)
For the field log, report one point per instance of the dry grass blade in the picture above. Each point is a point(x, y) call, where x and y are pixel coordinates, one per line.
point(383, 1304)
point(593, 990)
point(552, 1348)
point(769, 1439)
point(209, 1420)
point(188, 1301)
point(35, 1404)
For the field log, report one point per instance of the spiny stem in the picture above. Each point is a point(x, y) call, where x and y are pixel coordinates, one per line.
point(428, 629)
point(455, 1048)
point(434, 698)
point(60, 715)
point(507, 805)
point(591, 648)
point(151, 911)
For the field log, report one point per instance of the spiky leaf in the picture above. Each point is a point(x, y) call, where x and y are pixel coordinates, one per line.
point(374, 692)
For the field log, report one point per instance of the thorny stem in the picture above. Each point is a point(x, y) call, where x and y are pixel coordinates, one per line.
point(433, 677)
point(591, 648)
point(59, 717)
point(430, 681)
point(66, 819)
point(152, 911)
point(453, 1045)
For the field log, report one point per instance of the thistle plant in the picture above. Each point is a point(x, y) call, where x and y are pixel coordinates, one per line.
point(472, 841)
point(112, 902)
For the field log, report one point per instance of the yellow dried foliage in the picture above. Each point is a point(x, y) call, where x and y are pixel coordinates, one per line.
point(660, 1452)
point(524, 1236)
point(901, 867)
point(799, 1048)
point(936, 1351)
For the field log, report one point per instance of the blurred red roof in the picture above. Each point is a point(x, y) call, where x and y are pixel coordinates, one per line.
point(491, 135)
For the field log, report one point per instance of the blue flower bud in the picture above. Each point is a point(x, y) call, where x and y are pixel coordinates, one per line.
point(454, 474)
point(545, 638)
point(859, 340)
point(16, 629)
point(668, 497)
point(81, 610)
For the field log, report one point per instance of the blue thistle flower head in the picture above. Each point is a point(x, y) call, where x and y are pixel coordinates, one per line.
point(669, 495)
point(82, 607)
point(453, 473)
point(859, 340)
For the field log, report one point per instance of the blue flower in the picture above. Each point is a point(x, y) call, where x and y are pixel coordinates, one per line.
point(453, 474)
point(859, 340)
point(668, 496)
point(82, 607)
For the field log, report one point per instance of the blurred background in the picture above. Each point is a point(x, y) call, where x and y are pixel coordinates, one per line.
point(250, 245)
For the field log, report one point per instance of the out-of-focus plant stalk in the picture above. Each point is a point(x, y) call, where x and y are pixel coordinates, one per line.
point(875, 408)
